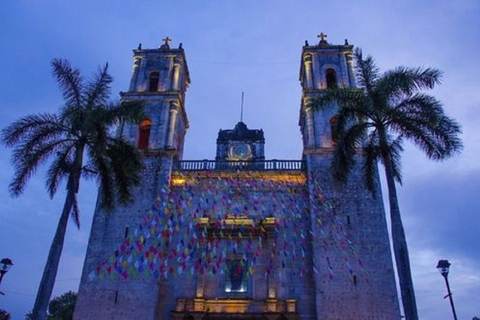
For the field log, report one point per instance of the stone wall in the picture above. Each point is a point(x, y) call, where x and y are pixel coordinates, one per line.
point(132, 298)
point(302, 238)
point(355, 277)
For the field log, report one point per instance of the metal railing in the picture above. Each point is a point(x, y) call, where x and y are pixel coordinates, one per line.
point(222, 165)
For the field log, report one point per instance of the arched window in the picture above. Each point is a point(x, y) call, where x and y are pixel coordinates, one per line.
point(331, 77)
point(144, 133)
point(334, 130)
point(153, 82)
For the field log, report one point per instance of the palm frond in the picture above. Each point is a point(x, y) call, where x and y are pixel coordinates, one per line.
point(41, 137)
point(447, 133)
point(104, 177)
point(98, 90)
point(420, 105)
point(125, 161)
point(429, 129)
point(98, 132)
point(345, 97)
point(344, 155)
point(22, 128)
point(76, 119)
point(371, 154)
point(89, 172)
point(367, 73)
point(70, 81)
point(26, 164)
point(59, 169)
point(405, 81)
point(353, 114)
point(126, 111)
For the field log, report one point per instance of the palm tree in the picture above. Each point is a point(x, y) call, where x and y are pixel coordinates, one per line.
point(79, 141)
point(379, 115)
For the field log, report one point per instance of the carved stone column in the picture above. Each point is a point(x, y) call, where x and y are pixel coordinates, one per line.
point(172, 121)
point(307, 60)
point(351, 68)
point(133, 80)
point(310, 125)
point(176, 75)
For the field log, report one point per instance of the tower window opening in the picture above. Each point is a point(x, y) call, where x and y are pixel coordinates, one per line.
point(144, 133)
point(334, 130)
point(153, 82)
point(331, 77)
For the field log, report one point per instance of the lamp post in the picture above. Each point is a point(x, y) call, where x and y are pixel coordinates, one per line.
point(443, 267)
point(5, 265)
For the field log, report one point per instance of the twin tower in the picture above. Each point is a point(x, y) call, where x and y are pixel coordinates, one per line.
point(240, 236)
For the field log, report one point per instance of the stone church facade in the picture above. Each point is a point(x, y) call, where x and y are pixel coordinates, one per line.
point(238, 237)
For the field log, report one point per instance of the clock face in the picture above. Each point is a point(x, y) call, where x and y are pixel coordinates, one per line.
point(240, 151)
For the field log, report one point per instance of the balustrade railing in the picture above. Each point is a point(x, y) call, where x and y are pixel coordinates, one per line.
point(222, 165)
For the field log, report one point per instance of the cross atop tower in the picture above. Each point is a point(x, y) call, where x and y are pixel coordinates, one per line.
point(322, 36)
point(167, 40)
point(322, 42)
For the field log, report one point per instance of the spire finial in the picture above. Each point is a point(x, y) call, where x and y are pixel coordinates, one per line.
point(241, 108)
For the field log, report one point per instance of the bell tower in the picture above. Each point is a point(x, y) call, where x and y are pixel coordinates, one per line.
point(350, 211)
point(160, 78)
point(323, 66)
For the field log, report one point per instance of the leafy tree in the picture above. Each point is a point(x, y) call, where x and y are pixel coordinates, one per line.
point(4, 315)
point(79, 142)
point(62, 307)
point(379, 115)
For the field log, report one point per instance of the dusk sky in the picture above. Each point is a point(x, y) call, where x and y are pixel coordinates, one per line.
point(252, 46)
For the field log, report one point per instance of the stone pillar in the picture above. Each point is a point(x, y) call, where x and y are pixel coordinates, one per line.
point(172, 122)
point(350, 68)
point(272, 276)
point(307, 60)
point(133, 80)
point(310, 126)
point(176, 75)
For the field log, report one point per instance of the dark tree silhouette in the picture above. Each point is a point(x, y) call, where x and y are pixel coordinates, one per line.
point(79, 142)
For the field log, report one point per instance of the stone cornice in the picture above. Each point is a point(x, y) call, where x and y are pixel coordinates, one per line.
point(320, 151)
point(325, 151)
point(167, 95)
point(158, 152)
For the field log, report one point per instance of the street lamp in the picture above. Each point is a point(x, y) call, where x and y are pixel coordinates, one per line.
point(443, 267)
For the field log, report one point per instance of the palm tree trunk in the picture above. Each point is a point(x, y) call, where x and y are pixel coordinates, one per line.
point(50, 272)
point(400, 248)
